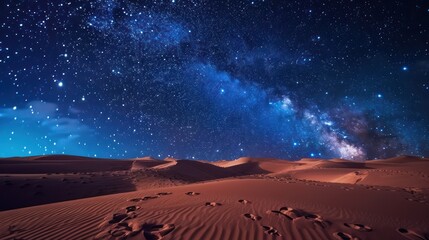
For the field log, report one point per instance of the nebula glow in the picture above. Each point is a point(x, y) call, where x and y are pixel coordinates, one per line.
point(212, 80)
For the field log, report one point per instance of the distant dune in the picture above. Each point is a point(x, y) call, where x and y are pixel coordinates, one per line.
point(71, 197)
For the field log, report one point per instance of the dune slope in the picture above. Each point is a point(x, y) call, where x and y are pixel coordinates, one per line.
point(228, 209)
point(248, 198)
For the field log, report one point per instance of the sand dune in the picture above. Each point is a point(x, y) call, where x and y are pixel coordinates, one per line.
point(60, 164)
point(249, 198)
point(293, 210)
point(249, 166)
point(141, 164)
point(192, 170)
point(395, 172)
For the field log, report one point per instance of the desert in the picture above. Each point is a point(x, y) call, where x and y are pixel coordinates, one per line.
point(70, 197)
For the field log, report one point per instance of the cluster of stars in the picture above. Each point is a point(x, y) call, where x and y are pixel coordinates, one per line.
point(214, 80)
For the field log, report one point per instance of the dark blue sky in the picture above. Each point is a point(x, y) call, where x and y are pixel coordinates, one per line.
point(214, 79)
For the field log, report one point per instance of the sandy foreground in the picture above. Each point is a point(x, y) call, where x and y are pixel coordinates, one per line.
point(68, 197)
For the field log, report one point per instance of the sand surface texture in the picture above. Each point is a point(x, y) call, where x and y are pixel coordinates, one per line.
point(68, 197)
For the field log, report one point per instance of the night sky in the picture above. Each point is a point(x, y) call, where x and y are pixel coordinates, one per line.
point(215, 79)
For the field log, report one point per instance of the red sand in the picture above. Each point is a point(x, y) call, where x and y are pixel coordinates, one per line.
point(248, 198)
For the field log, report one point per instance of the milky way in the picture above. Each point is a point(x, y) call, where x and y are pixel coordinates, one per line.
point(214, 80)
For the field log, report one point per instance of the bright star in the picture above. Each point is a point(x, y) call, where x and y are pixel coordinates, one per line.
point(60, 84)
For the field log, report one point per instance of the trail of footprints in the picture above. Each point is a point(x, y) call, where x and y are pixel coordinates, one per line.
point(122, 225)
point(416, 195)
point(294, 214)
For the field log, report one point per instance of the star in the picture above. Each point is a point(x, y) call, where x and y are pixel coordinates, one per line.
point(236, 71)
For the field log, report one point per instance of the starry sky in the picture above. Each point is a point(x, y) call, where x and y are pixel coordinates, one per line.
point(203, 79)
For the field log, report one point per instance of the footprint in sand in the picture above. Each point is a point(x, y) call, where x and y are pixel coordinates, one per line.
point(149, 197)
point(122, 230)
point(271, 231)
point(142, 199)
point(359, 227)
point(409, 234)
point(120, 225)
point(135, 199)
point(243, 201)
point(131, 208)
point(344, 236)
point(293, 214)
point(121, 217)
point(157, 232)
point(192, 193)
point(118, 217)
point(413, 190)
point(317, 219)
point(252, 217)
point(288, 212)
point(125, 230)
point(164, 193)
point(213, 204)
